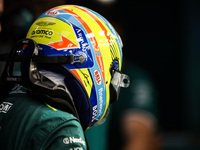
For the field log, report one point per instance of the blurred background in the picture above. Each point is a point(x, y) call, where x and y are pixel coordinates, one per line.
point(162, 38)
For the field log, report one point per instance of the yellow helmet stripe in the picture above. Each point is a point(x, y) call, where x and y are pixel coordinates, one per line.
point(93, 39)
point(98, 22)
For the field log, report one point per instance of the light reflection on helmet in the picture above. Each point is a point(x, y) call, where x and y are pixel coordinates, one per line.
point(78, 31)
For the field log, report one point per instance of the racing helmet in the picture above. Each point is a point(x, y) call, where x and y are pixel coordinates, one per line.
point(93, 74)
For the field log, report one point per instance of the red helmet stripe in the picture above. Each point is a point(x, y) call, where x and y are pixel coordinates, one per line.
point(98, 22)
point(64, 43)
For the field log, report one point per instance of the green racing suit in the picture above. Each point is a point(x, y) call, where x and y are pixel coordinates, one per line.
point(27, 123)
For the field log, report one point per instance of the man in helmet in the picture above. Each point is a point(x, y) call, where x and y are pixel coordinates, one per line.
point(70, 73)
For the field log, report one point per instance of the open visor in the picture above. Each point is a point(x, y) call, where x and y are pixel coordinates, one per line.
point(119, 80)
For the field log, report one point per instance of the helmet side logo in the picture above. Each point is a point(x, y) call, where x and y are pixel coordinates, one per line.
point(53, 12)
point(97, 76)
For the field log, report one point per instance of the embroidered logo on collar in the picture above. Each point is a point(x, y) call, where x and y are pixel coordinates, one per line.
point(18, 89)
point(5, 107)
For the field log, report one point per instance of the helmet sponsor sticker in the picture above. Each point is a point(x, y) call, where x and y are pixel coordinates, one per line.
point(99, 108)
point(94, 113)
point(97, 77)
point(100, 102)
point(42, 32)
point(98, 96)
point(45, 23)
point(53, 12)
